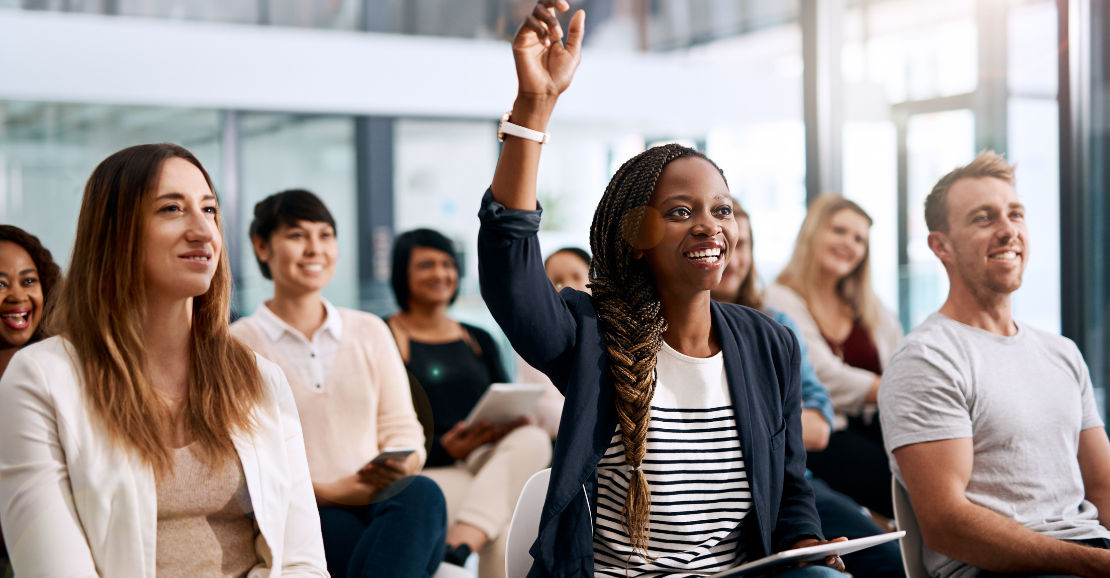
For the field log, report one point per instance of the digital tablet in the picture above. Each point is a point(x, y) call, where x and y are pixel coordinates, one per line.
point(505, 402)
point(807, 554)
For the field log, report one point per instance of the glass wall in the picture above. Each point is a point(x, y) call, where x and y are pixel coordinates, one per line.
point(48, 151)
point(316, 153)
point(922, 77)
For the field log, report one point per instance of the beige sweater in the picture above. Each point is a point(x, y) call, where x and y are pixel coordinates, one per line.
point(847, 385)
point(366, 405)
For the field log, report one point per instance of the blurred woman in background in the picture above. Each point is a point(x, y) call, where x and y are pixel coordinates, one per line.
point(481, 468)
point(28, 275)
point(352, 393)
point(840, 515)
point(144, 440)
point(826, 289)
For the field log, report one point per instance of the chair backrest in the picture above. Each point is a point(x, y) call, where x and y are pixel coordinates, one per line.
point(912, 542)
point(525, 525)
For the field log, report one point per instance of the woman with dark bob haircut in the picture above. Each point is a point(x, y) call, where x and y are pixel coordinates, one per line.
point(481, 468)
point(143, 439)
point(680, 447)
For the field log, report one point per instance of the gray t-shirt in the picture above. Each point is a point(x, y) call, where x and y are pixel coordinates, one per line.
point(1023, 400)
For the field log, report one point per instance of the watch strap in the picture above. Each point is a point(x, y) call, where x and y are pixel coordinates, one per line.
point(516, 130)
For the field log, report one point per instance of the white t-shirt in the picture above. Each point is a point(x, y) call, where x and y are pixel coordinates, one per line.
point(1022, 400)
point(695, 469)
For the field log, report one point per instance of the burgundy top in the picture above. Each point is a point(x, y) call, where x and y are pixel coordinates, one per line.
point(858, 349)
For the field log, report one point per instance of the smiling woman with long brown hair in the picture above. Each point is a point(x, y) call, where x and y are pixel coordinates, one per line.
point(144, 440)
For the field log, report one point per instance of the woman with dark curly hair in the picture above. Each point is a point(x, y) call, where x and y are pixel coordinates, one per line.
point(28, 274)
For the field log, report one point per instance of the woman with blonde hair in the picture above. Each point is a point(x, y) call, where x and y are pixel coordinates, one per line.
point(144, 440)
point(826, 290)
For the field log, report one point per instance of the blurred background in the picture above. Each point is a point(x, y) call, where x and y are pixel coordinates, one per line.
point(387, 109)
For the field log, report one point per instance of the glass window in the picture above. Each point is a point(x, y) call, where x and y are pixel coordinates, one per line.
point(48, 151)
point(936, 143)
point(281, 152)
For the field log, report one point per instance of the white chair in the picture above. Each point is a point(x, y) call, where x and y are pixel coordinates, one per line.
point(912, 542)
point(452, 571)
point(525, 525)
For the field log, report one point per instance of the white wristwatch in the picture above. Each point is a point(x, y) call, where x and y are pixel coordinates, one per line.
point(507, 127)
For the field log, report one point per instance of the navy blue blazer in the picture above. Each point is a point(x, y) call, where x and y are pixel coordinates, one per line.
point(558, 333)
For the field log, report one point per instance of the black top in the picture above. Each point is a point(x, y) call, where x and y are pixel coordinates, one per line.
point(558, 333)
point(454, 378)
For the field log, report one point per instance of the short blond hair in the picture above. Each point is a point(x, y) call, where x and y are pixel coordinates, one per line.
point(987, 164)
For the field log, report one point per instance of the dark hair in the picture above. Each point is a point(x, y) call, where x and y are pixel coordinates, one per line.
point(402, 254)
point(286, 208)
point(584, 256)
point(49, 272)
point(630, 315)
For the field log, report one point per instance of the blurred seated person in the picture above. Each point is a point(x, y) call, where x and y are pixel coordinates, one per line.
point(992, 424)
point(567, 267)
point(840, 515)
point(826, 289)
point(481, 468)
point(353, 397)
point(28, 275)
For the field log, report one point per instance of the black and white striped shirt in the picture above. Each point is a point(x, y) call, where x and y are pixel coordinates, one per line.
point(695, 468)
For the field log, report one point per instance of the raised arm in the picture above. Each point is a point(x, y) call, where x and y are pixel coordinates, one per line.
point(516, 289)
point(544, 69)
point(937, 474)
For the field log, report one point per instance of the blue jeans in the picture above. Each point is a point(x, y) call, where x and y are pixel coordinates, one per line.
point(403, 536)
point(841, 516)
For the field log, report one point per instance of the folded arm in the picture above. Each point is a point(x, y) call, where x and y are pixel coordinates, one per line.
point(937, 474)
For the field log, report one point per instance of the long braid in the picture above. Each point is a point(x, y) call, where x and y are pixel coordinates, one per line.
point(630, 315)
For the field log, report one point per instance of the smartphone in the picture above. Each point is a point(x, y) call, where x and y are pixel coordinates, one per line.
point(395, 454)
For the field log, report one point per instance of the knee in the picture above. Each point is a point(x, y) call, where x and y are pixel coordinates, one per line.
point(531, 440)
point(422, 493)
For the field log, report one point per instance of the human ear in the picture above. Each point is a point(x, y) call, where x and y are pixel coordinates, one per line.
point(939, 244)
point(261, 248)
point(637, 254)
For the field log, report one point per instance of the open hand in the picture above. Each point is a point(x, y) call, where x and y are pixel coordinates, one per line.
point(544, 67)
point(833, 562)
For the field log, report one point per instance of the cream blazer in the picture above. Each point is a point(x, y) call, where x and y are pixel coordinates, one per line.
point(75, 505)
point(847, 385)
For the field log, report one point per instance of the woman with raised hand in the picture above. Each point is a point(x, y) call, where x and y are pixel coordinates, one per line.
point(144, 440)
point(680, 451)
point(840, 515)
point(28, 275)
point(352, 392)
point(826, 289)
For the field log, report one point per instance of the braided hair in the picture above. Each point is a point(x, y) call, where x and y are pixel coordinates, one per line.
point(630, 314)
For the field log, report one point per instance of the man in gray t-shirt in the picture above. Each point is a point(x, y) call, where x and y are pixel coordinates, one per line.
point(991, 425)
